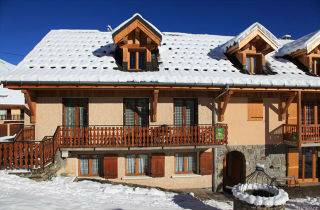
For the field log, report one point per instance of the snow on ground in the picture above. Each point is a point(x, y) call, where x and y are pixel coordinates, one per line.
point(62, 193)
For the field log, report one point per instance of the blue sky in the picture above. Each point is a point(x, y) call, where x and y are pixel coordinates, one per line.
point(24, 22)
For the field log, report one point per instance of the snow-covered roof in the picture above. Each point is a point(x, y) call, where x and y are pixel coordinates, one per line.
point(303, 43)
point(256, 26)
point(5, 67)
point(9, 97)
point(134, 17)
point(84, 57)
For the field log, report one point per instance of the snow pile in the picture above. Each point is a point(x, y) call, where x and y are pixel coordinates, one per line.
point(304, 203)
point(280, 196)
point(63, 193)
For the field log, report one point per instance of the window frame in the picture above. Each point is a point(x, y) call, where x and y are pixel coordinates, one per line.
point(147, 167)
point(136, 114)
point(185, 156)
point(137, 60)
point(184, 111)
point(316, 66)
point(255, 63)
point(90, 165)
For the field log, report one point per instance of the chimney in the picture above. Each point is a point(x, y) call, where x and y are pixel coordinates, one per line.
point(286, 37)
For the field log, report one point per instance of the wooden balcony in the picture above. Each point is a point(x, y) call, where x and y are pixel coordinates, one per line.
point(151, 136)
point(310, 134)
point(9, 117)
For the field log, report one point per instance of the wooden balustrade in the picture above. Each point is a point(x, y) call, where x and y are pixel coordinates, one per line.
point(151, 136)
point(26, 154)
point(27, 133)
point(309, 133)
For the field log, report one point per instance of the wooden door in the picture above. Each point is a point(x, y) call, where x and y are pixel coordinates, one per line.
point(110, 166)
point(157, 165)
point(206, 163)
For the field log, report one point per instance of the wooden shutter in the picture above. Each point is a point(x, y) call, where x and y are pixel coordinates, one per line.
point(206, 163)
point(293, 163)
point(292, 114)
point(110, 166)
point(157, 165)
point(255, 110)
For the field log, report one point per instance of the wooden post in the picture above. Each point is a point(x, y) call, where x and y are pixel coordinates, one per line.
point(299, 114)
point(223, 105)
point(154, 105)
point(31, 101)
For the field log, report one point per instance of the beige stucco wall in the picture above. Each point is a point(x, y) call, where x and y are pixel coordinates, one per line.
point(48, 115)
point(244, 132)
point(169, 181)
point(105, 111)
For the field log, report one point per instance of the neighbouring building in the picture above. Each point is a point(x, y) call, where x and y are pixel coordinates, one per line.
point(12, 105)
point(175, 110)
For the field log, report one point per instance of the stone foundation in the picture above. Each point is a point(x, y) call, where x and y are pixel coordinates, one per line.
point(273, 157)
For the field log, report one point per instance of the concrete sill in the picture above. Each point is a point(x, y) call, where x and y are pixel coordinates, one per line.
point(185, 176)
point(135, 177)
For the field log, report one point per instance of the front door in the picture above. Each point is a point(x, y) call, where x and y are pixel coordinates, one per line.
point(75, 114)
point(234, 169)
point(309, 164)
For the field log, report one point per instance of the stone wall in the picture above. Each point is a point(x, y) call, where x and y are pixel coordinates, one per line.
point(273, 157)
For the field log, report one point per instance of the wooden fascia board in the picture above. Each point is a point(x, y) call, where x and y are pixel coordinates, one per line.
point(155, 97)
point(252, 35)
point(223, 105)
point(311, 46)
point(30, 99)
point(132, 26)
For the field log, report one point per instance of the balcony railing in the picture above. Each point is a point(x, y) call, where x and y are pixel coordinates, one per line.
point(309, 133)
point(151, 136)
point(16, 117)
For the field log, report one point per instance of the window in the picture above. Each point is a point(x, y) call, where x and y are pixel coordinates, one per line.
point(255, 110)
point(316, 66)
point(308, 163)
point(185, 163)
point(308, 113)
point(3, 114)
point(89, 166)
point(137, 165)
point(253, 64)
point(75, 112)
point(136, 112)
point(137, 60)
point(185, 112)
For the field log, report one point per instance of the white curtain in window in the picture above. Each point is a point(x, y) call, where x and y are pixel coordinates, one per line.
point(179, 163)
point(130, 164)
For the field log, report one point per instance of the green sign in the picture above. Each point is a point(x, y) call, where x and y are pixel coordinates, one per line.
point(219, 133)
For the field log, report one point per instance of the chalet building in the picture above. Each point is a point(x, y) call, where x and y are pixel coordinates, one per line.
point(12, 105)
point(175, 110)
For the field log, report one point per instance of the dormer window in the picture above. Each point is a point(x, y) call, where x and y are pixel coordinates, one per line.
point(137, 60)
point(137, 43)
point(248, 49)
point(304, 52)
point(254, 63)
point(316, 66)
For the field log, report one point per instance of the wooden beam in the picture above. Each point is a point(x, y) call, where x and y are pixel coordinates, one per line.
point(287, 104)
point(223, 105)
point(299, 115)
point(154, 105)
point(31, 101)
